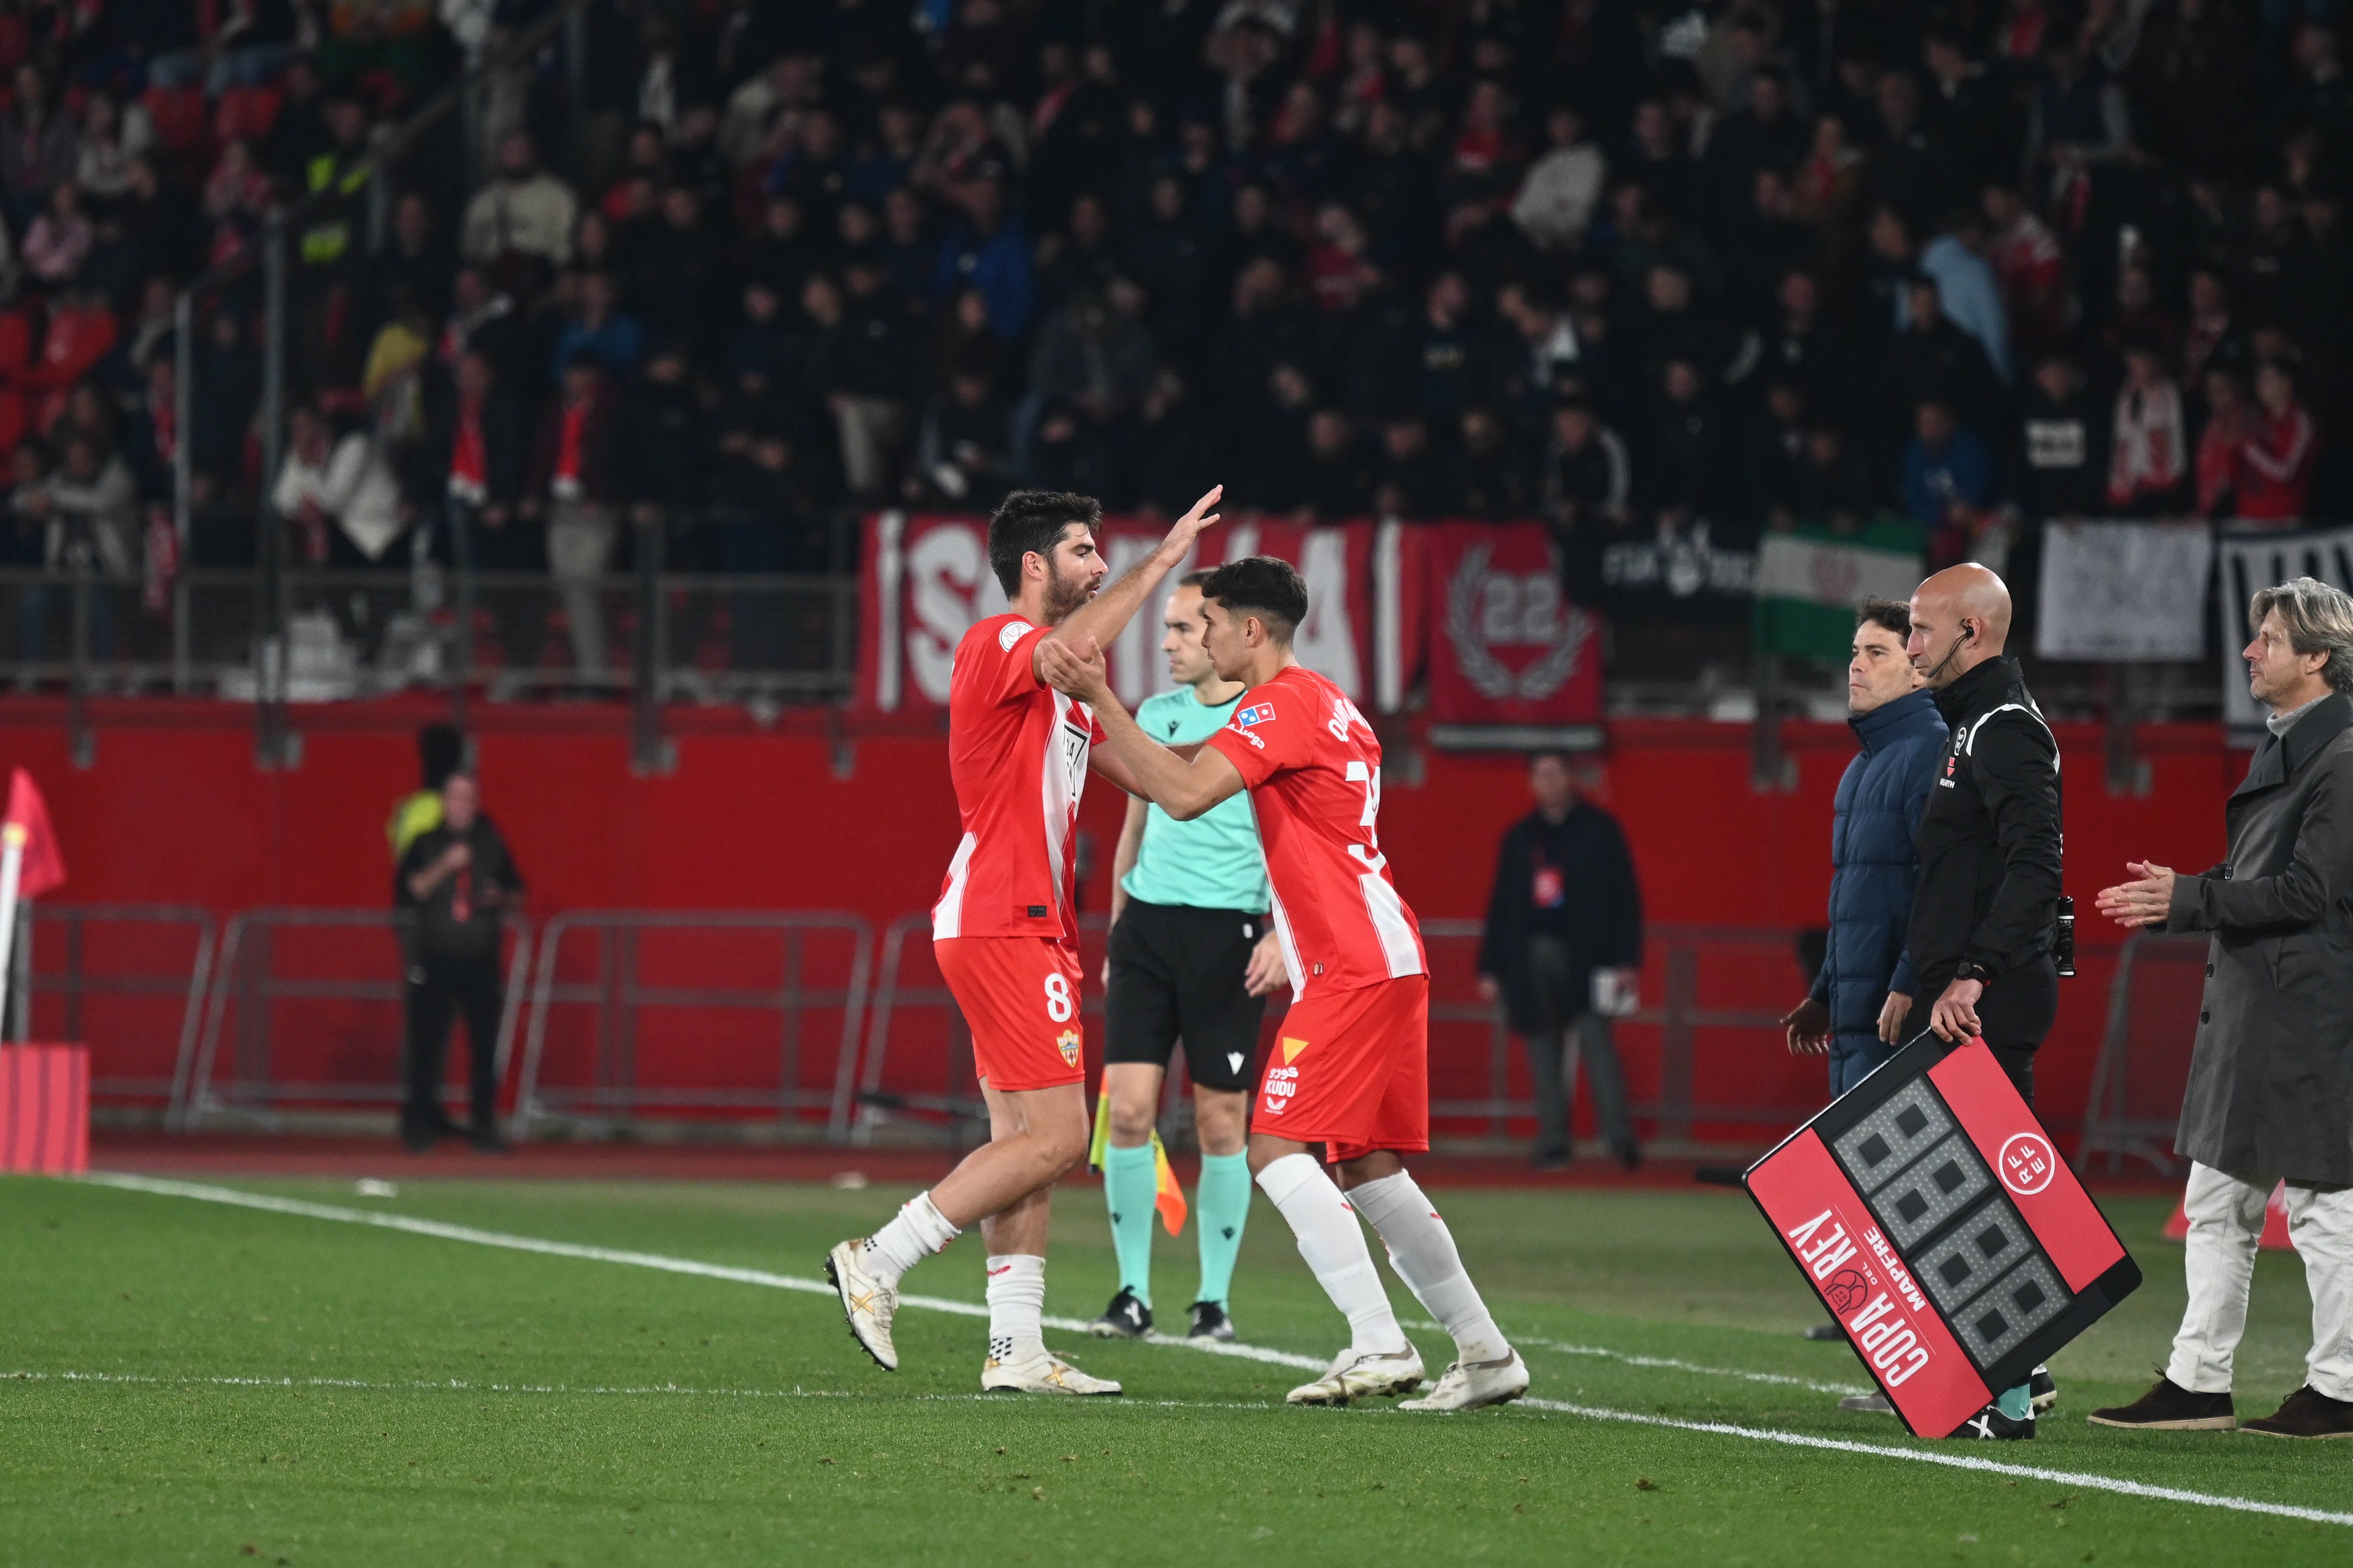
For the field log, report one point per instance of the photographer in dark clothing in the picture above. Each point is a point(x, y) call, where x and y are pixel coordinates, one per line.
point(1984, 912)
point(456, 882)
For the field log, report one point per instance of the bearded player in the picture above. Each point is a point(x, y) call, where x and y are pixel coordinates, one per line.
point(1006, 929)
point(1350, 1070)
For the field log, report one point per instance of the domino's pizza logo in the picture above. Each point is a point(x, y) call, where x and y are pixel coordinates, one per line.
point(1256, 713)
point(2027, 1163)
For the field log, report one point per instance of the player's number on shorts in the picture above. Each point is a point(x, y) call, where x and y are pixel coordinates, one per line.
point(1059, 1006)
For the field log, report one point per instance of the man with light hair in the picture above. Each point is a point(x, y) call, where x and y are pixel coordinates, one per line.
point(2270, 1096)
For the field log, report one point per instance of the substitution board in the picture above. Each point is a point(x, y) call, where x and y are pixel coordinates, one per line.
point(1930, 1211)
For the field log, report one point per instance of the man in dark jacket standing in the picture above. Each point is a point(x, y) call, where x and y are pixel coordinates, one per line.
point(2270, 1096)
point(1866, 985)
point(1563, 947)
point(1983, 916)
point(457, 881)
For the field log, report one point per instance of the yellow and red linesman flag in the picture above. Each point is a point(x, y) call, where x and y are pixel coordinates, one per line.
point(1168, 1196)
point(27, 824)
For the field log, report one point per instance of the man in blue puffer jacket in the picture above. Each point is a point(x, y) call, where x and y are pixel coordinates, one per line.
point(1866, 986)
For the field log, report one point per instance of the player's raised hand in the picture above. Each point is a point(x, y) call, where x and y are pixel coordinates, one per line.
point(1074, 671)
point(1189, 526)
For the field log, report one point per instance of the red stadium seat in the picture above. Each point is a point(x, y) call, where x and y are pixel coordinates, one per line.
point(180, 117)
point(15, 343)
point(247, 112)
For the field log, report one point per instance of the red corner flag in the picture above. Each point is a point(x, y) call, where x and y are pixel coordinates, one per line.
point(28, 822)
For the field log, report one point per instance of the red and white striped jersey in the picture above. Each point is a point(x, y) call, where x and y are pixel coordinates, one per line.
point(1314, 768)
point(1018, 756)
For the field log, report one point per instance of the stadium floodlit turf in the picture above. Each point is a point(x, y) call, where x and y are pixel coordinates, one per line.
point(198, 1382)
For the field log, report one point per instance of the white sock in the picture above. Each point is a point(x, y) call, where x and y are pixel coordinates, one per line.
point(1421, 1249)
point(919, 1231)
point(1016, 1300)
point(1333, 1243)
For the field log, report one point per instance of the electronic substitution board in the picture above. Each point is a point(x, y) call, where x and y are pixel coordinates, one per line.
point(1931, 1212)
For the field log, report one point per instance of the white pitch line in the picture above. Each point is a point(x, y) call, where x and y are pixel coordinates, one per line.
point(444, 1231)
point(1670, 1364)
point(447, 1232)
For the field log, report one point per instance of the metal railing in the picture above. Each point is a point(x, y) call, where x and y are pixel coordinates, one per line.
point(618, 993)
point(91, 979)
point(369, 1053)
point(2143, 1069)
point(1703, 1037)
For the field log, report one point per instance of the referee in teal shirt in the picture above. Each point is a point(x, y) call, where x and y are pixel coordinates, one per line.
point(1191, 957)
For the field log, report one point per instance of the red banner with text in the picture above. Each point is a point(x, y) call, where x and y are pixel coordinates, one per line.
point(1510, 660)
point(924, 580)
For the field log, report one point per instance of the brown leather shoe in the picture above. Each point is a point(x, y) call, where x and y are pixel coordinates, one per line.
point(2170, 1407)
point(2308, 1413)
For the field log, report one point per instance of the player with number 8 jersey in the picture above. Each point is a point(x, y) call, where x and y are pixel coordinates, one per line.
point(1350, 1070)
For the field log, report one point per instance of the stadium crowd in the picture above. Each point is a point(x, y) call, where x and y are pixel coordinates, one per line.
point(1627, 266)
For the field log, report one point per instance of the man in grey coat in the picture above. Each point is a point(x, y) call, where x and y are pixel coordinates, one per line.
point(2271, 1081)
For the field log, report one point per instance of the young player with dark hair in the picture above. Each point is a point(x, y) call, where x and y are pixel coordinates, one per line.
point(1351, 1071)
point(1190, 957)
point(1006, 929)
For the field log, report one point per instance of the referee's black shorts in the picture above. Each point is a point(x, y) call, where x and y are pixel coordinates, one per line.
point(1178, 974)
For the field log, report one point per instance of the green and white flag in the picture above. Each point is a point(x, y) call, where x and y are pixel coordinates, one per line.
point(1809, 580)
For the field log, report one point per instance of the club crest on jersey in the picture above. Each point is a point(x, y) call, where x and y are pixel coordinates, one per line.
point(1012, 632)
point(1256, 713)
point(1068, 1043)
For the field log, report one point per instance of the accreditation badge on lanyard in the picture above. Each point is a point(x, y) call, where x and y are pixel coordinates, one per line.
point(1548, 890)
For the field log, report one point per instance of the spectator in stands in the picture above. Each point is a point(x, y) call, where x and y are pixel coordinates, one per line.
point(569, 491)
point(2221, 445)
point(1412, 482)
point(60, 239)
point(1685, 468)
point(2279, 454)
point(1931, 359)
point(340, 495)
point(1563, 948)
point(964, 453)
point(988, 250)
point(2030, 268)
point(523, 212)
point(856, 372)
point(598, 328)
point(2062, 446)
point(1557, 197)
point(1335, 480)
point(2148, 461)
point(456, 883)
point(1588, 476)
point(661, 468)
point(1967, 289)
point(2271, 1030)
point(476, 446)
point(37, 146)
point(1486, 471)
point(1948, 481)
point(110, 136)
point(1771, 452)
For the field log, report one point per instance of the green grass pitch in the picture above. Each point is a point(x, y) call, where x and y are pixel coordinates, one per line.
point(417, 1399)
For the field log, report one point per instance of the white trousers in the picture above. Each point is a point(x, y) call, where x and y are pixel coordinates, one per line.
point(2226, 1222)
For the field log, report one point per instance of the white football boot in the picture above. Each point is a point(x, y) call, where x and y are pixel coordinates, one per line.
point(1039, 1373)
point(1362, 1375)
point(1467, 1385)
point(866, 1302)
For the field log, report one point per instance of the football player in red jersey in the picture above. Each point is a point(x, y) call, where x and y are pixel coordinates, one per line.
point(1350, 1070)
point(1006, 928)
